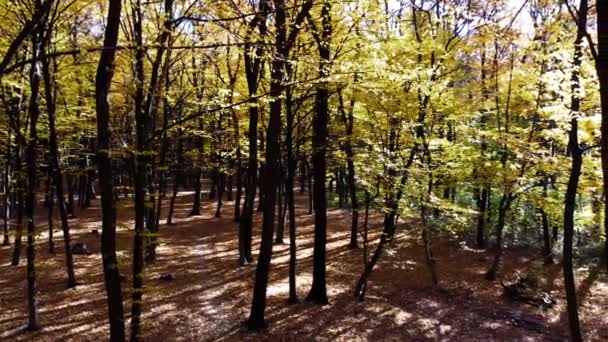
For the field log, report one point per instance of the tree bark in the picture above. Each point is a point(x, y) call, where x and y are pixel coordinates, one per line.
point(253, 61)
point(602, 73)
point(318, 290)
point(7, 188)
point(104, 164)
point(30, 204)
point(256, 319)
point(577, 163)
point(54, 167)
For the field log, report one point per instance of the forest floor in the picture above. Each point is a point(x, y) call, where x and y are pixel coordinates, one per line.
point(211, 295)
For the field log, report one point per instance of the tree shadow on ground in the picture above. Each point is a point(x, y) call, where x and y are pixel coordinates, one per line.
point(211, 295)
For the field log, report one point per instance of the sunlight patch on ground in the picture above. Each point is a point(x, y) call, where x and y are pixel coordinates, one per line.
point(399, 316)
point(73, 303)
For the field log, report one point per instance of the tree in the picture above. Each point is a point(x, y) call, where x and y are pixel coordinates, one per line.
point(54, 169)
point(282, 45)
point(318, 290)
point(103, 81)
point(30, 201)
point(602, 73)
point(577, 162)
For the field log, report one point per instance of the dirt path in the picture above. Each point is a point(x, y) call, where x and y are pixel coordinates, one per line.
point(211, 295)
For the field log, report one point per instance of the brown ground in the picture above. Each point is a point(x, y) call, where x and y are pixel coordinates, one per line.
point(211, 295)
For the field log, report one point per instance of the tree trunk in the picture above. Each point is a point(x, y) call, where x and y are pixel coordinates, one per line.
point(221, 179)
point(104, 164)
point(140, 176)
point(505, 204)
point(318, 290)
point(196, 204)
point(50, 194)
point(289, 195)
point(350, 165)
point(577, 163)
point(482, 203)
point(30, 204)
point(55, 169)
point(19, 182)
point(7, 189)
point(272, 170)
point(602, 73)
point(280, 205)
point(176, 179)
point(253, 62)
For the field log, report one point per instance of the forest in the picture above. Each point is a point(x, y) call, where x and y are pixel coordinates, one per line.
point(331, 170)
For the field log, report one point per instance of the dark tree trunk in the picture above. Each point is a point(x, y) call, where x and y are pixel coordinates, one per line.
point(221, 179)
point(49, 207)
point(196, 204)
point(55, 174)
point(256, 319)
point(30, 204)
point(289, 195)
point(213, 177)
point(302, 175)
point(426, 230)
point(602, 73)
point(310, 192)
point(7, 189)
point(239, 186)
point(272, 170)
point(230, 182)
point(261, 183)
point(505, 204)
point(104, 164)
point(70, 204)
point(547, 254)
point(361, 284)
point(349, 121)
point(19, 181)
point(577, 163)
point(280, 205)
point(253, 63)
point(482, 203)
point(318, 290)
point(140, 175)
point(177, 177)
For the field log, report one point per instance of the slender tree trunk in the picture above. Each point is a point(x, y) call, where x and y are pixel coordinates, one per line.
point(289, 195)
point(140, 176)
point(547, 254)
point(272, 170)
point(426, 233)
point(281, 219)
point(310, 192)
point(577, 163)
point(221, 179)
point(70, 204)
point(104, 164)
point(7, 189)
point(239, 185)
point(177, 175)
point(196, 204)
point(503, 209)
point(51, 229)
point(19, 182)
point(30, 204)
point(55, 169)
point(318, 290)
point(482, 203)
point(350, 165)
point(253, 60)
point(602, 73)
